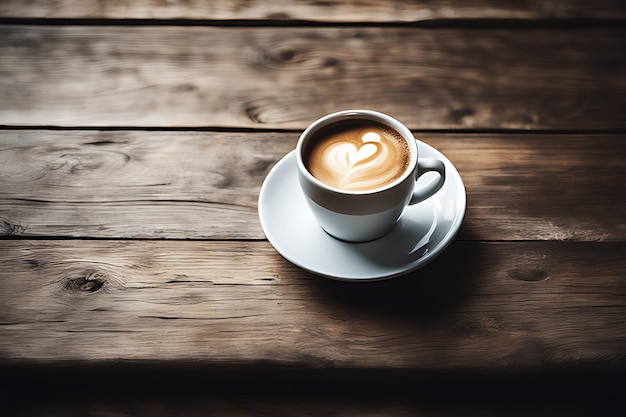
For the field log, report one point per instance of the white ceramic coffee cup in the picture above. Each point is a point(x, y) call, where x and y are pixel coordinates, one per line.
point(360, 216)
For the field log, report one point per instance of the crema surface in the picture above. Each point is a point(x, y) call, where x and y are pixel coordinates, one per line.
point(357, 156)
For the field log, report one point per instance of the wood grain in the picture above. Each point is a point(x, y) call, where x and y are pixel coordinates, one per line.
point(205, 185)
point(480, 306)
point(135, 278)
point(286, 77)
point(311, 10)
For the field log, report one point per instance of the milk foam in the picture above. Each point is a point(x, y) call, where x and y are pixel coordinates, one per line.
point(359, 157)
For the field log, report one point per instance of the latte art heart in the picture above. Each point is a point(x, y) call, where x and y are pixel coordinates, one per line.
point(345, 156)
point(359, 157)
point(364, 152)
point(350, 164)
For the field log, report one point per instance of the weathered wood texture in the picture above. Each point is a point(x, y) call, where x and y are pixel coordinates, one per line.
point(311, 10)
point(481, 306)
point(205, 185)
point(531, 293)
point(285, 78)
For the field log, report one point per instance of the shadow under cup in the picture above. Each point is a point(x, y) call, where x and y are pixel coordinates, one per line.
point(364, 215)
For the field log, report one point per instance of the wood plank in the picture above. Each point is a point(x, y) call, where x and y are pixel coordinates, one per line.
point(286, 77)
point(480, 306)
point(205, 185)
point(309, 10)
point(135, 184)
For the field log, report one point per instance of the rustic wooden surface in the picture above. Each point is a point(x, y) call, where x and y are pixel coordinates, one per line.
point(205, 185)
point(483, 306)
point(311, 10)
point(286, 77)
point(135, 278)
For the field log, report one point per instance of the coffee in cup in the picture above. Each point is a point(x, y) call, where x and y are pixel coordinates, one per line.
point(357, 155)
point(358, 170)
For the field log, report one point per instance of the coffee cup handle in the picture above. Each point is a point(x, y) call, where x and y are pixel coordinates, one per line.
point(425, 165)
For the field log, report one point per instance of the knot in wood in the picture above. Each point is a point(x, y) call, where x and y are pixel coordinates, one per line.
point(10, 228)
point(85, 162)
point(521, 274)
point(90, 283)
point(287, 55)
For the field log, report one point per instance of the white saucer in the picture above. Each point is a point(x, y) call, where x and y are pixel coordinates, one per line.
point(423, 232)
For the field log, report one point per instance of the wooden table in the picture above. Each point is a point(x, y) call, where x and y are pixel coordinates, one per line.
point(135, 278)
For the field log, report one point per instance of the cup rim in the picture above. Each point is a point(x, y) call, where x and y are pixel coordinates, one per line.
point(372, 115)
